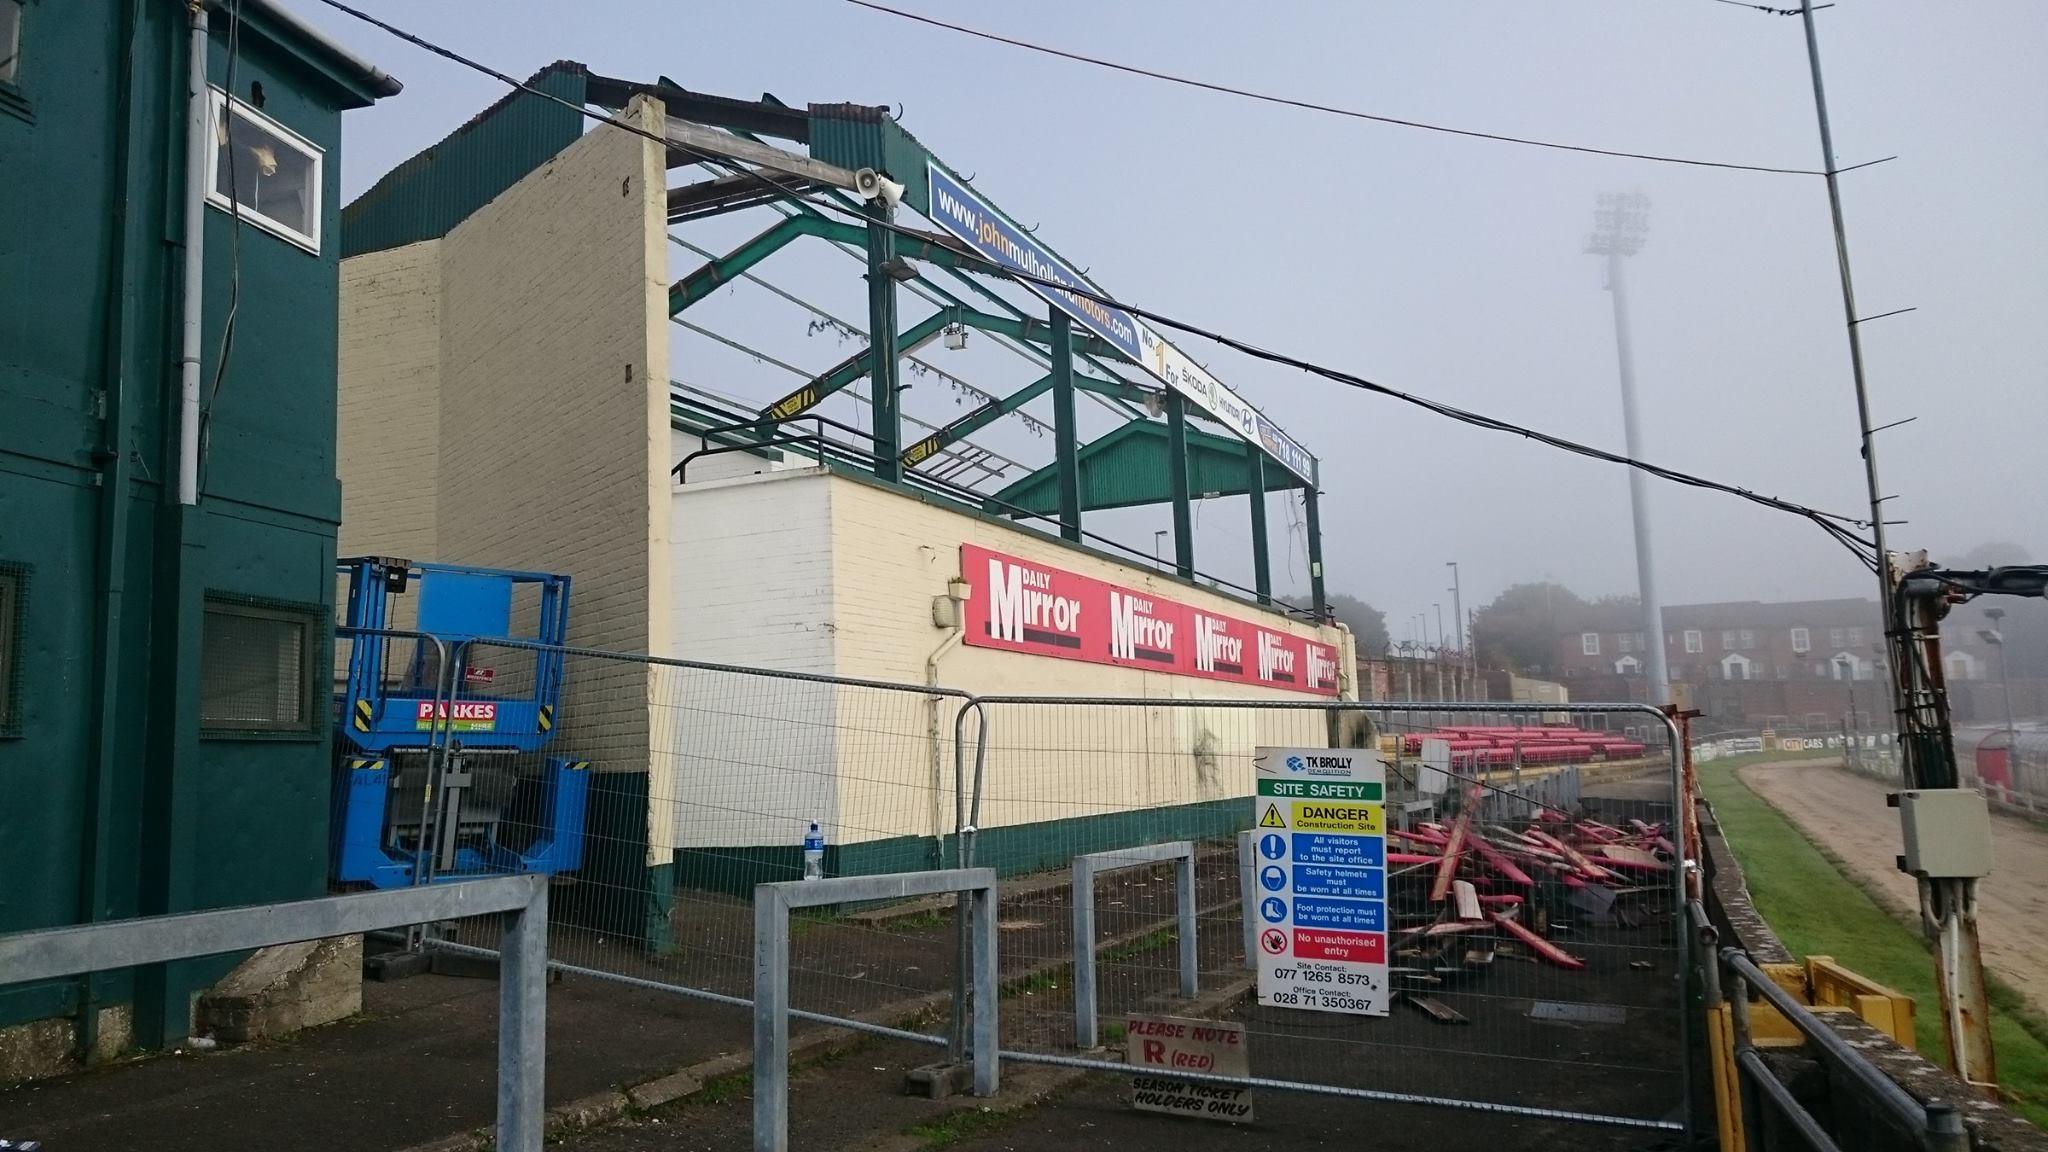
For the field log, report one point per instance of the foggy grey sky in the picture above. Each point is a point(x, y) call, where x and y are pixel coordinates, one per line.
point(1445, 266)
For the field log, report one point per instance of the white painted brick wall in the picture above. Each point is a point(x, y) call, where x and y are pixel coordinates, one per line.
point(753, 757)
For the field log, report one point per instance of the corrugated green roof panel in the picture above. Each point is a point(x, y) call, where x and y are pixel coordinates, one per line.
point(1129, 467)
point(434, 191)
point(859, 136)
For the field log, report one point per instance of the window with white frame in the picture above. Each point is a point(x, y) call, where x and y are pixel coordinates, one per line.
point(1624, 643)
point(272, 172)
point(1802, 640)
point(1694, 642)
point(1835, 637)
point(1589, 643)
point(1728, 641)
point(1855, 637)
point(1748, 639)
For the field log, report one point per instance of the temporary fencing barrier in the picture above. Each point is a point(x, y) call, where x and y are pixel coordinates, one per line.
point(1496, 1007)
point(702, 781)
point(1554, 996)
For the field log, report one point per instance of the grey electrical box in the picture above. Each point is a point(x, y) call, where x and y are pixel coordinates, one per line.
point(1947, 833)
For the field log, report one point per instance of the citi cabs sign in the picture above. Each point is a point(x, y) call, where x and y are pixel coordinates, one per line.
point(1023, 606)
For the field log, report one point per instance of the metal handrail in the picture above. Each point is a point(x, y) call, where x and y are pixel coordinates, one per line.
point(824, 446)
point(1935, 1123)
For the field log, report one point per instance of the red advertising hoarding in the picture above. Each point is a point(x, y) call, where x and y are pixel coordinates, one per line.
point(1023, 606)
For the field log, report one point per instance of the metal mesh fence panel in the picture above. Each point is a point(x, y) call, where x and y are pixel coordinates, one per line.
point(1532, 928)
point(659, 793)
point(1532, 920)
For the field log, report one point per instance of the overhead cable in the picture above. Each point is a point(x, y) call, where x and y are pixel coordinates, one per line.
point(1329, 109)
point(1835, 524)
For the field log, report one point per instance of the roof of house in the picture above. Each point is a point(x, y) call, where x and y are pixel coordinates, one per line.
point(1624, 617)
point(317, 45)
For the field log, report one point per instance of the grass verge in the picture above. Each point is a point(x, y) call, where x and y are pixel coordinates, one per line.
point(1818, 908)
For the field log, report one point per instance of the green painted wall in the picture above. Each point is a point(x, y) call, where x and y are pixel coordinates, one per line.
point(110, 803)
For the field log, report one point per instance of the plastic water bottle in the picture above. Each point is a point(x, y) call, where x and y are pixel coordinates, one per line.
point(814, 852)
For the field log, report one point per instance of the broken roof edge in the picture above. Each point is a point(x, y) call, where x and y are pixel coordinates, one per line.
point(442, 185)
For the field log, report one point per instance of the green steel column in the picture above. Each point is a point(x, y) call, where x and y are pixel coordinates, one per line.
point(1065, 436)
point(1315, 550)
point(882, 359)
point(1177, 469)
point(1255, 487)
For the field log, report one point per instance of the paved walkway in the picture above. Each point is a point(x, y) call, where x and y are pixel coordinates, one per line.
point(421, 1063)
point(1847, 815)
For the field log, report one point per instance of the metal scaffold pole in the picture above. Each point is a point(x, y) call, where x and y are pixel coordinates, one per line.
point(1947, 905)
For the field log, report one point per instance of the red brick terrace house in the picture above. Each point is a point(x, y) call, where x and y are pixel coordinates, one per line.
point(1801, 665)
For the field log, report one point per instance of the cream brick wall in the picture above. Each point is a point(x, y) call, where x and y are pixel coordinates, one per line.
point(505, 403)
point(555, 384)
point(893, 553)
point(388, 420)
point(806, 571)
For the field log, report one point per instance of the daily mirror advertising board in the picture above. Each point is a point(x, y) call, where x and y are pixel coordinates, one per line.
point(1319, 824)
point(1021, 605)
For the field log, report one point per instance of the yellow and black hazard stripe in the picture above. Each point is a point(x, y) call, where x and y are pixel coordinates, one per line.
point(366, 765)
point(362, 717)
point(576, 765)
point(547, 717)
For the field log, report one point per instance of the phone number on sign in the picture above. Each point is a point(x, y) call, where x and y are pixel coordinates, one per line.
point(1319, 998)
point(1342, 976)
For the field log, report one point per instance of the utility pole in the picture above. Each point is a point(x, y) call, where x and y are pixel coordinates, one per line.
point(1948, 906)
point(1621, 222)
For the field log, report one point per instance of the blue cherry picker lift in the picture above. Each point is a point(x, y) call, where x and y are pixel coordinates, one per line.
point(408, 814)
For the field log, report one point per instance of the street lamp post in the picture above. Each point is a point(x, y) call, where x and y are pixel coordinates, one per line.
point(1458, 612)
point(1621, 222)
point(1995, 636)
point(1440, 693)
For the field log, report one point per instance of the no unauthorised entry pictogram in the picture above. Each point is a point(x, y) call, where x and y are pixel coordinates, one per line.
point(1273, 941)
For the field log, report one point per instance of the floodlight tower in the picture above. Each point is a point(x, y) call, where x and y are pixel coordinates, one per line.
point(1621, 222)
